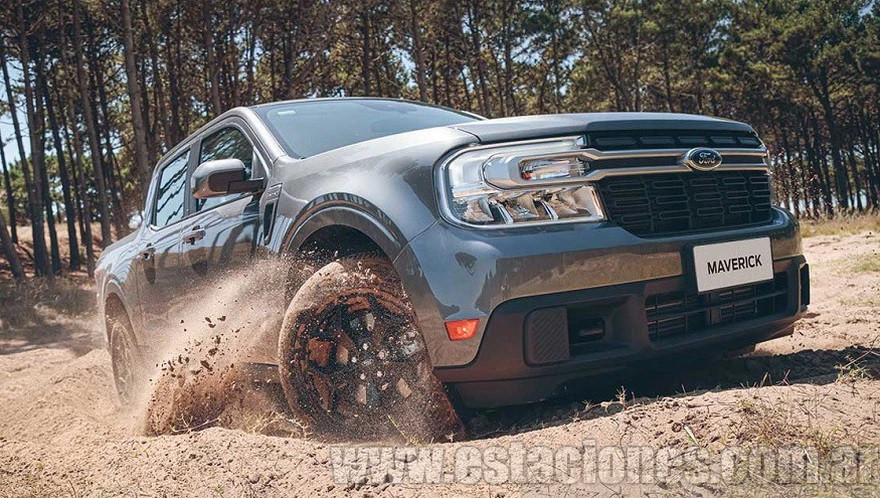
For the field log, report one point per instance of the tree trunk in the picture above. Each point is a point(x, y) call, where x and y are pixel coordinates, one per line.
point(152, 150)
point(251, 62)
point(793, 177)
point(35, 194)
point(40, 166)
point(69, 210)
point(89, 118)
point(141, 156)
point(418, 52)
point(118, 211)
point(857, 183)
point(667, 78)
point(172, 56)
point(841, 178)
point(366, 52)
point(74, 149)
point(9, 251)
point(10, 194)
point(509, 94)
point(158, 83)
point(477, 50)
point(557, 92)
point(871, 171)
point(208, 40)
point(85, 206)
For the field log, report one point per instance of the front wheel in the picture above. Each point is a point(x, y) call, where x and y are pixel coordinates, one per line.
point(352, 359)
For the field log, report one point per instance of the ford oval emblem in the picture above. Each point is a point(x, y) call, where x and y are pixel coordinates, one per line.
point(702, 159)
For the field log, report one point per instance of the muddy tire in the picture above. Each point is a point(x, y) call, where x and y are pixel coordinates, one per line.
point(129, 370)
point(353, 363)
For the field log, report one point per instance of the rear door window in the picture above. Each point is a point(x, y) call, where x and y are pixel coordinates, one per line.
point(169, 207)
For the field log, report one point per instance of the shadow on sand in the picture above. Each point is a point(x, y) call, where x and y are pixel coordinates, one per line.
point(33, 317)
point(815, 367)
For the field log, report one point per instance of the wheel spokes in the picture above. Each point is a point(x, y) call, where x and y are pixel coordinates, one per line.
point(356, 353)
point(324, 387)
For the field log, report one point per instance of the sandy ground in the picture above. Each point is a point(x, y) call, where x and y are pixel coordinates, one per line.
point(63, 432)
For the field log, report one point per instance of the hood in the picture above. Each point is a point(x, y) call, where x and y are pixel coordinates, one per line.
point(526, 127)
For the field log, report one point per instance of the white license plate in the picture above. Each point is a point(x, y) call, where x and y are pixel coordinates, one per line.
point(729, 264)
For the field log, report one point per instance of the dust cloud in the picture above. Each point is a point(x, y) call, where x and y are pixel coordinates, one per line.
point(219, 370)
point(215, 371)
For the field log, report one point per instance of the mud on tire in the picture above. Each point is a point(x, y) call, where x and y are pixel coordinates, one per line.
point(353, 363)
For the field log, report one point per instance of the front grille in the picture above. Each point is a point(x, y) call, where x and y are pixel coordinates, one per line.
point(671, 139)
point(659, 204)
point(677, 313)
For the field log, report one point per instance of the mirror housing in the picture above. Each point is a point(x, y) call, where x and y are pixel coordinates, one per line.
point(136, 220)
point(222, 177)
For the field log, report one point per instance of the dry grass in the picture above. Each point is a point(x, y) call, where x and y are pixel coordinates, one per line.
point(25, 249)
point(69, 294)
point(859, 368)
point(842, 224)
point(33, 314)
point(868, 264)
point(808, 421)
point(864, 301)
point(780, 425)
point(795, 432)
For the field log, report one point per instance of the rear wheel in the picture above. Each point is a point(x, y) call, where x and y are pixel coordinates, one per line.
point(353, 361)
point(129, 372)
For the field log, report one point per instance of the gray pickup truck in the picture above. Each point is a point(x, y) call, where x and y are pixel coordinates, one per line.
point(490, 262)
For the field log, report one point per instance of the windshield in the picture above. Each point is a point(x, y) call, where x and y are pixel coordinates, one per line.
point(307, 128)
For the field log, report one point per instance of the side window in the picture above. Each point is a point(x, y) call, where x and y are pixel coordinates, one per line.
point(225, 144)
point(170, 194)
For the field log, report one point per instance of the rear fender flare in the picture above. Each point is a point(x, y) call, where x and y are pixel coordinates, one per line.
point(113, 289)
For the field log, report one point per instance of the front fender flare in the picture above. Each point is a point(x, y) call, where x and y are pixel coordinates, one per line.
point(350, 211)
point(379, 228)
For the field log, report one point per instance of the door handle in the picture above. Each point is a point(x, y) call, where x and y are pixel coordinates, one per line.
point(195, 235)
point(147, 254)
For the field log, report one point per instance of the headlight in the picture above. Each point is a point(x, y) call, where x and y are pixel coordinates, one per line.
point(540, 181)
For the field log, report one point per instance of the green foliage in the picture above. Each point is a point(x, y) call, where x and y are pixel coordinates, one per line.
point(805, 73)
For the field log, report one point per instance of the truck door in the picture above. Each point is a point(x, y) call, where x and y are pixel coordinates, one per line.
point(160, 287)
point(220, 237)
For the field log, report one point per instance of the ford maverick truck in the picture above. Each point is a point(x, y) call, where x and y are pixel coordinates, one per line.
point(492, 262)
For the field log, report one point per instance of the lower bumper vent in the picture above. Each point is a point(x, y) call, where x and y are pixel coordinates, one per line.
point(546, 336)
point(676, 313)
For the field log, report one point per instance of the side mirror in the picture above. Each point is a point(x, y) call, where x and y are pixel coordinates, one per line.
point(222, 177)
point(136, 220)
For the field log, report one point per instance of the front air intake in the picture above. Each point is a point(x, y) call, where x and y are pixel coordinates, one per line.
point(671, 139)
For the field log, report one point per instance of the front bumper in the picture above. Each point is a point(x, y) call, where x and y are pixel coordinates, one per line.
point(502, 276)
point(533, 346)
point(453, 273)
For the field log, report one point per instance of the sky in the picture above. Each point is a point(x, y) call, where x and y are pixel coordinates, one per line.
point(7, 132)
